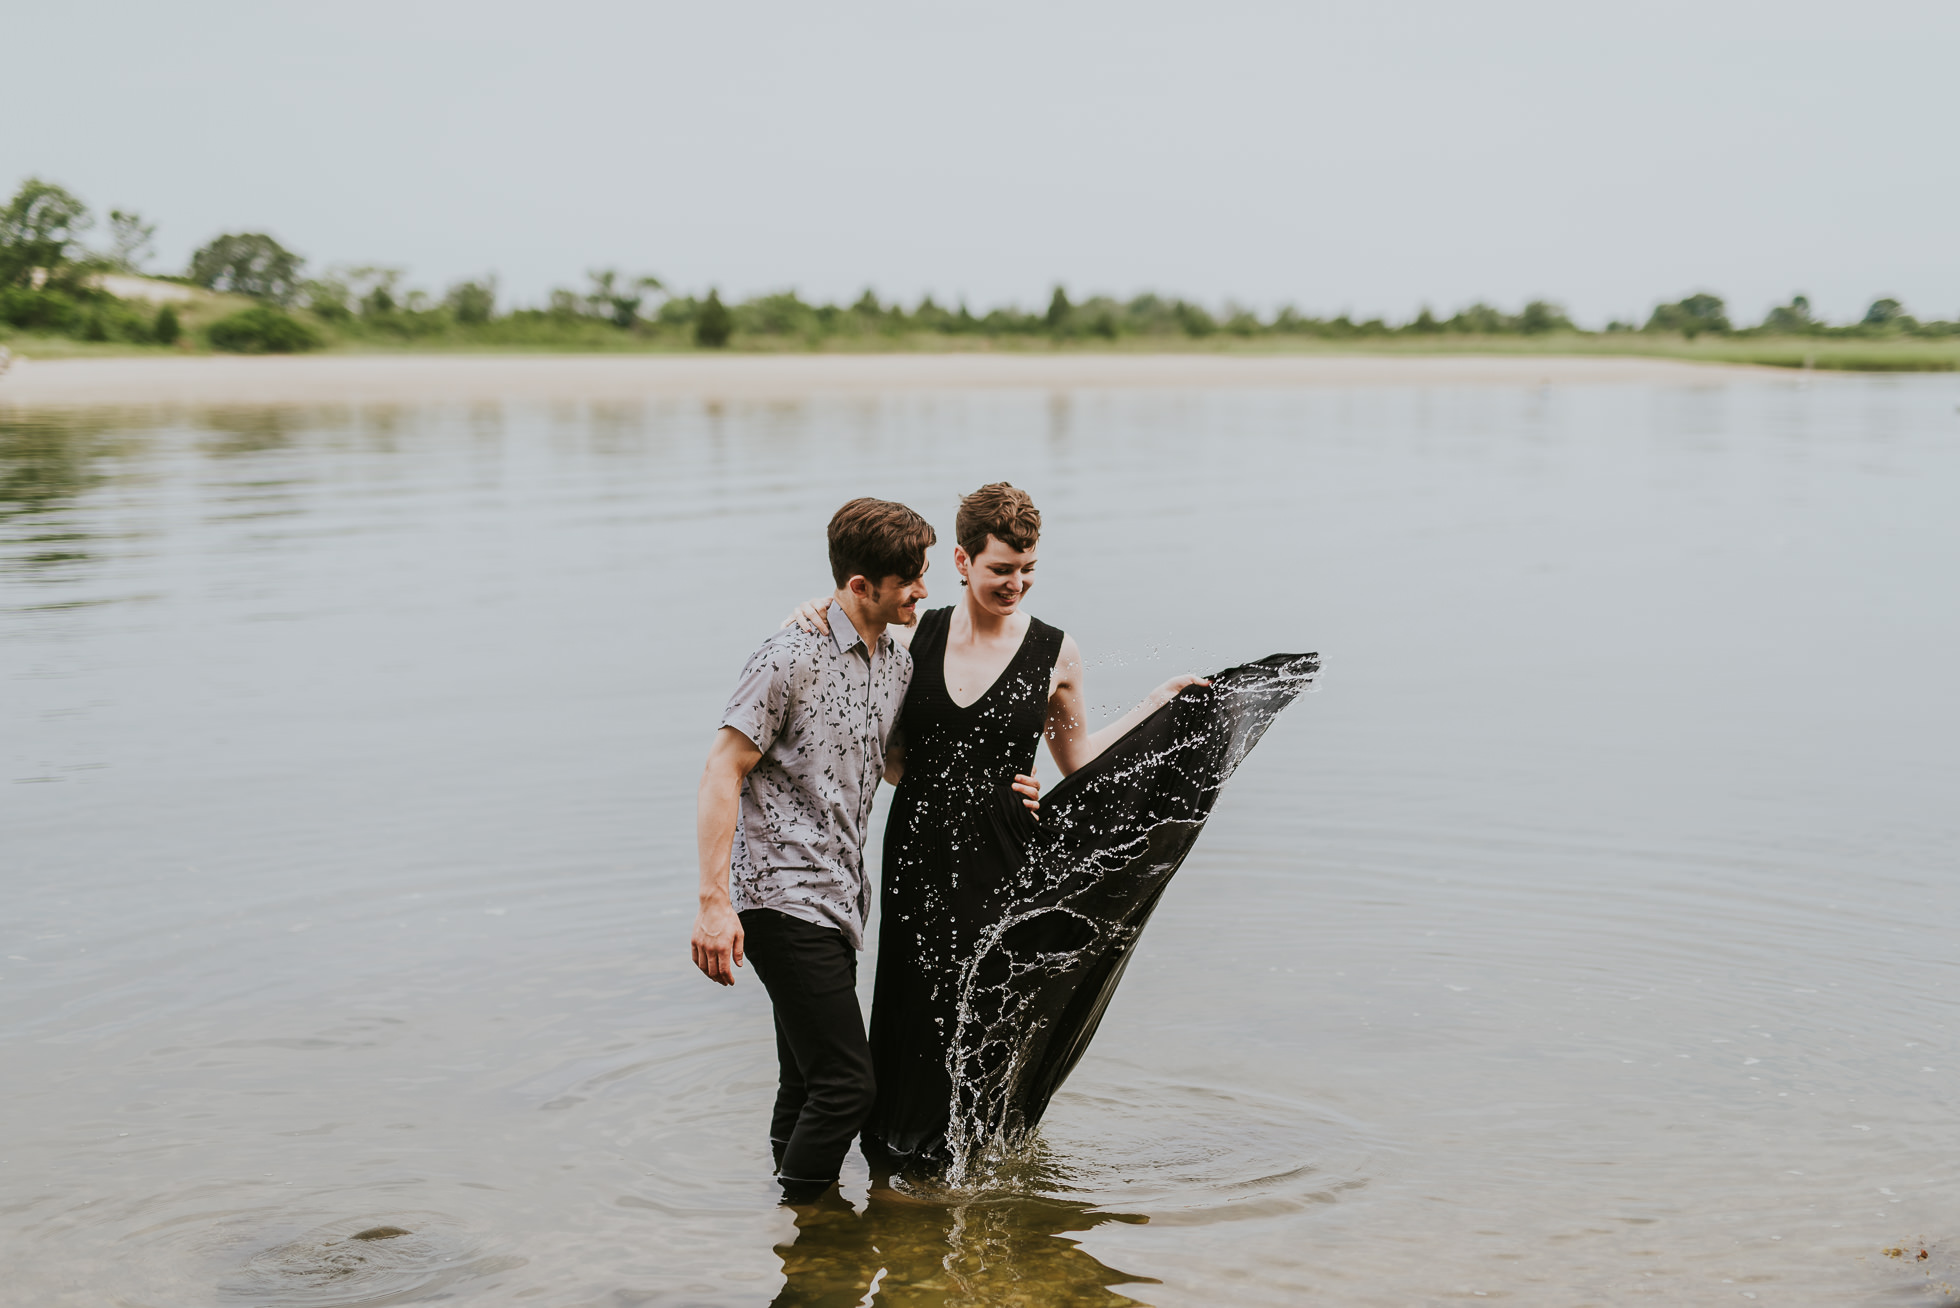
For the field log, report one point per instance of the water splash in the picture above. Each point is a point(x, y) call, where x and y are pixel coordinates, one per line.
point(1077, 888)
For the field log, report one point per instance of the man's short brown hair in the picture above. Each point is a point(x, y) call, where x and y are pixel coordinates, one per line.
point(999, 510)
point(876, 539)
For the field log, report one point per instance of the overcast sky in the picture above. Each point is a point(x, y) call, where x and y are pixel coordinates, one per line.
point(1371, 158)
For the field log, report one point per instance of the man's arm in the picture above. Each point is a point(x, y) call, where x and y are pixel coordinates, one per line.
point(717, 939)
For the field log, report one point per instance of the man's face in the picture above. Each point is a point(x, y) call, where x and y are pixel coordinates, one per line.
point(895, 601)
point(999, 575)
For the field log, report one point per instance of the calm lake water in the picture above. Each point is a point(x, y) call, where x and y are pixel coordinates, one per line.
point(1591, 935)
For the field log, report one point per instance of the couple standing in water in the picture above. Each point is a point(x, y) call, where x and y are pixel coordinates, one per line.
point(950, 707)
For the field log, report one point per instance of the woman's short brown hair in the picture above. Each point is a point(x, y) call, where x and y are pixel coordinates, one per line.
point(876, 539)
point(999, 510)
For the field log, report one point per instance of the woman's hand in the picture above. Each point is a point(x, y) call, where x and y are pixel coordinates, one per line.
point(1167, 692)
point(813, 615)
point(1030, 791)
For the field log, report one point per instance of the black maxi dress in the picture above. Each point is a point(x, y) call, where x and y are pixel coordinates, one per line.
point(1002, 938)
point(940, 884)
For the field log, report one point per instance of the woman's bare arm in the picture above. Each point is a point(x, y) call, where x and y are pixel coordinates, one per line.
point(813, 615)
point(1070, 742)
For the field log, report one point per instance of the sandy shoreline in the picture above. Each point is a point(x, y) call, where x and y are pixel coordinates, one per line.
point(71, 383)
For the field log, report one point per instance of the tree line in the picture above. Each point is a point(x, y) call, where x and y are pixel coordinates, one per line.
point(51, 282)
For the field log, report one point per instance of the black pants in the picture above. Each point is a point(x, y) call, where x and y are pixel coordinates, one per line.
point(826, 1090)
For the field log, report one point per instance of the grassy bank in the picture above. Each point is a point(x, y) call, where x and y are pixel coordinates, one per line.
point(1899, 354)
point(245, 293)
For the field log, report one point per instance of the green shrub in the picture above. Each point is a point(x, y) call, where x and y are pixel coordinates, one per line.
point(713, 324)
point(473, 302)
point(248, 263)
point(262, 330)
point(1059, 312)
point(1698, 313)
point(166, 330)
point(1541, 316)
point(39, 309)
point(1193, 319)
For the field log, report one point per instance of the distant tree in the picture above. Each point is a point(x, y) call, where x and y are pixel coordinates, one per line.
point(38, 230)
point(617, 299)
point(1425, 322)
point(1148, 313)
point(373, 287)
point(1791, 317)
point(248, 263)
point(329, 297)
point(1100, 317)
point(713, 324)
point(680, 311)
point(262, 330)
point(931, 317)
point(1541, 316)
point(129, 240)
point(1883, 313)
point(473, 302)
point(1482, 320)
point(1059, 310)
point(565, 305)
point(167, 329)
point(1193, 319)
point(1698, 313)
point(783, 314)
point(868, 304)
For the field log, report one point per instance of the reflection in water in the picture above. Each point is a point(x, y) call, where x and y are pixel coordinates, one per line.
point(236, 433)
point(908, 1252)
point(45, 465)
point(1563, 959)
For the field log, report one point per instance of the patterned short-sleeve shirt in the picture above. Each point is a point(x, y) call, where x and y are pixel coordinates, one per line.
point(822, 710)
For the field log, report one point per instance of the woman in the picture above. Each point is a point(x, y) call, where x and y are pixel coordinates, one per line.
point(988, 682)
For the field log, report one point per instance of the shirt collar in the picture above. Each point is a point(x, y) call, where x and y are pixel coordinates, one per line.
point(844, 632)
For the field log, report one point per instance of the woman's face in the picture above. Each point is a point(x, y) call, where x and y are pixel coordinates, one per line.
point(998, 576)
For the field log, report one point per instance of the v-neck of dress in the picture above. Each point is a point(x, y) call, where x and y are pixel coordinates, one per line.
point(999, 677)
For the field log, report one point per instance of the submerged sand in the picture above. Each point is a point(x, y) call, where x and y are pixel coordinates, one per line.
point(403, 378)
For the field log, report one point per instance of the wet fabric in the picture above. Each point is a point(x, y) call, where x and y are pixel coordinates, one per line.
point(1050, 911)
point(824, 1085)
point(941, 868)
point(1077, 887)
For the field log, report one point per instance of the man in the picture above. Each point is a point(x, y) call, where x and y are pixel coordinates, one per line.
point(784, 804)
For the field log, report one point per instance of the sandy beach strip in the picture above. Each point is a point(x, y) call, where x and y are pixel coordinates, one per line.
point(397, 378)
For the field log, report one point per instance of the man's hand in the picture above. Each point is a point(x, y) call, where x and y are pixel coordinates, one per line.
point(718, 942)
point(1030, 792)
